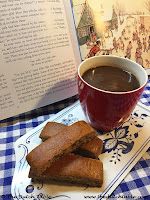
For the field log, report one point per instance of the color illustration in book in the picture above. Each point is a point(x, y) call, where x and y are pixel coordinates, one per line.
point(114, 27)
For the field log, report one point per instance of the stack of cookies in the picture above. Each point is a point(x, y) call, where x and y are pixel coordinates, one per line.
point(67, 154)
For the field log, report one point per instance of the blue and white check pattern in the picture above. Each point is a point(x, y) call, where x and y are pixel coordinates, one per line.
point(145, 99)
point(136, 185)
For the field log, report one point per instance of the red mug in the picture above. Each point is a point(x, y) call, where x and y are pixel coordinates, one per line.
point(107, 110)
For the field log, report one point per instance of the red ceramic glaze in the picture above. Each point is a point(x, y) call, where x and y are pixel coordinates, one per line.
point(107, 110)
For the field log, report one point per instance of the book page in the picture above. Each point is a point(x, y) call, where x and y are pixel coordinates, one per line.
point(38, 54)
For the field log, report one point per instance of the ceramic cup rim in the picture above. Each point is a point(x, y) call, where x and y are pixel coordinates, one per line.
point(113, 57)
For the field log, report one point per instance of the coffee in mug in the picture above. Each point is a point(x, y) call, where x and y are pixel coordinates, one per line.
point(109, 88)
point(110, 78)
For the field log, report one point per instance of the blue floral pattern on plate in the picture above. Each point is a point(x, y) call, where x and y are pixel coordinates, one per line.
point(120, 141)
point(69, 120)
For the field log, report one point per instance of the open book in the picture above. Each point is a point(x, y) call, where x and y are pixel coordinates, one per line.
point(39, 54)
point(42, 43)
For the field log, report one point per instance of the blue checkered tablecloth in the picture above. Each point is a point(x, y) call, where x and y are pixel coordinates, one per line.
point(136, 185)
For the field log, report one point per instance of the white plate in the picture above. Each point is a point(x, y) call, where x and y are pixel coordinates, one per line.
point(148, 71)
point(123, 148)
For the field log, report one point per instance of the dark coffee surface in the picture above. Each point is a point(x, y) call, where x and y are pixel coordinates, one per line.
point(111, 79)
